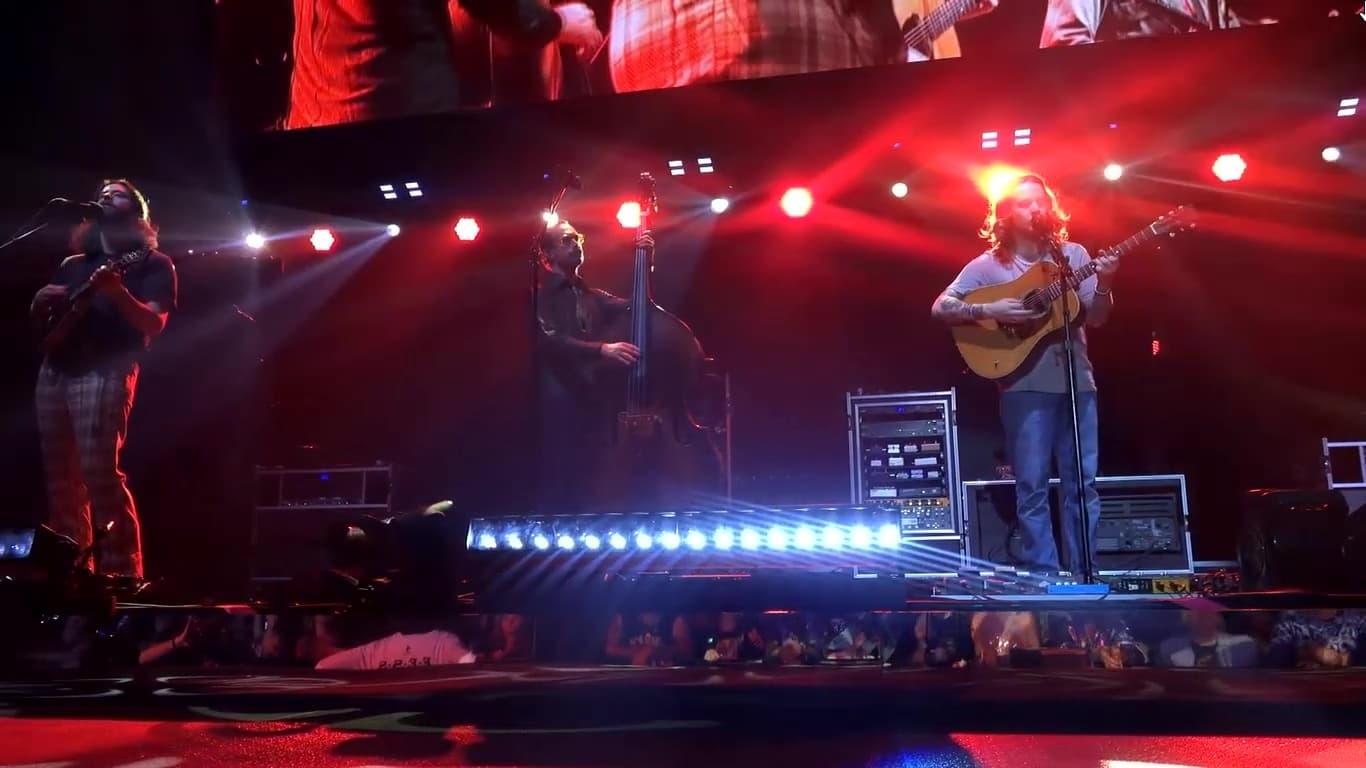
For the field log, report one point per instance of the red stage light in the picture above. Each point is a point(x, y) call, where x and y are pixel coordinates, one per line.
point(466, 228)
point(994, 180)
point(1229, 167)
point(796, 202)
point(322, 240)
point(629, 214)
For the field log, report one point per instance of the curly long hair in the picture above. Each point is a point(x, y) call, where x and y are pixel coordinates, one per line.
point(85, 238)
point(996, 228)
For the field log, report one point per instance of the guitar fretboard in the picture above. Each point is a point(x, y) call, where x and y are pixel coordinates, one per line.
point(1054, 290)
point(937, 23)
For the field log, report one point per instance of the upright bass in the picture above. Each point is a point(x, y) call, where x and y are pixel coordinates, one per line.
point(658, 454)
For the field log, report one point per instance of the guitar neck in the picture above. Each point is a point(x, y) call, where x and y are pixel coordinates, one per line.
point(1089, 268)
point(641, 299)
point(937, 22)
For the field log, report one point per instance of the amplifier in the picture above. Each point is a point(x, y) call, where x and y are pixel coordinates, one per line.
point(903, 453)
point(296, 509)
point(1142, 530)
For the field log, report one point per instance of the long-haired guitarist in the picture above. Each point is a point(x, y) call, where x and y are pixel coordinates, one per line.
point(100, 311)
point(1025, 228)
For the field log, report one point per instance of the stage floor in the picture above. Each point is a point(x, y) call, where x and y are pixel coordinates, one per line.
point(791, 716)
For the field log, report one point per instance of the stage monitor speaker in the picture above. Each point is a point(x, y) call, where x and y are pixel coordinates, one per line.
point(1293, 539)
point(1142, 531)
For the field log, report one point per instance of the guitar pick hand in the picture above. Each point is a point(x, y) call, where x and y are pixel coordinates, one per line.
point(50, 296)
point(1008, 310)
point(106, 281)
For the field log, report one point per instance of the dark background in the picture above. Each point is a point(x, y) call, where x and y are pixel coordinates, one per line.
point(414, 350)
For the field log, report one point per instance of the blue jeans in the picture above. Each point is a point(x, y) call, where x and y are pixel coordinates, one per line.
point(1038, 429)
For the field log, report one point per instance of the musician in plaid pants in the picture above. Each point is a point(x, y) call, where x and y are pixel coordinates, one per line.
point(88, 380)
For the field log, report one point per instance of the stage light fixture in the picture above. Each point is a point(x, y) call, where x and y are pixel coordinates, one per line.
point(392, 230)
point(1022, 136)
point(1331, 154)
point(1229, 167)
point(388, 191)
point(832, 537)
point(804, 538)
point(644, 540)
point(777, 538)
point(796, 202)
point(719, 205)
point(723, 538)
point(550, 218)
point(888, 536)
point(1113, 172)
point(413, 188)
point(322, 240)
point(695, 539)
point(616, 541)
point(629, 214)
point(565, 542)
point(704, 165)
point(861, 536)
point(592, 542)
point(255, 241)
point(466, 229)
point(669, 540)
point(749, 539)
point(996, 179)
point(540, 541)
point(676, 168)
point(990, 139)
point(16, 545)
point(900, 190)
point(1348, 107)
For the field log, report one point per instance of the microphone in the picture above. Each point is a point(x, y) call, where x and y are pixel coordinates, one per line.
point(83, 210)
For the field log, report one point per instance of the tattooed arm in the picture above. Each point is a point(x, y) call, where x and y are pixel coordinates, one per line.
point(951, 309)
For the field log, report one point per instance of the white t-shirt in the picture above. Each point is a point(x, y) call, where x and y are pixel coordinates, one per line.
point(429, 649)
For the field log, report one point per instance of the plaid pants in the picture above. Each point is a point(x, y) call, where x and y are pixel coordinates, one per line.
point(669, 43)
point(83, 421)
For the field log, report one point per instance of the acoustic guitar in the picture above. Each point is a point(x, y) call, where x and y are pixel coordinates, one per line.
point(918, 34)
point(994, 349)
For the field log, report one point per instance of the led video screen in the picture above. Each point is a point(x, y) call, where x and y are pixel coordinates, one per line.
point(286, 64)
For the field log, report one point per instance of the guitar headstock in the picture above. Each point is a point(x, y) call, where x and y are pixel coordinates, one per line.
point(649, 199)
point(1178, 219)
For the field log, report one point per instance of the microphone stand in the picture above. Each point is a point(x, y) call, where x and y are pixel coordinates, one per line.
point(1066, 278)
point(30, 231)
point(45, 216)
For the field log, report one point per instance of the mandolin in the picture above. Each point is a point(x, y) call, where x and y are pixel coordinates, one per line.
point(64, 318)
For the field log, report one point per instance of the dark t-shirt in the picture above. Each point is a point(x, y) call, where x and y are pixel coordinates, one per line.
point(103, 338)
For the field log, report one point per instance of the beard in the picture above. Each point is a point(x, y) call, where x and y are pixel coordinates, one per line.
point(122, 229)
